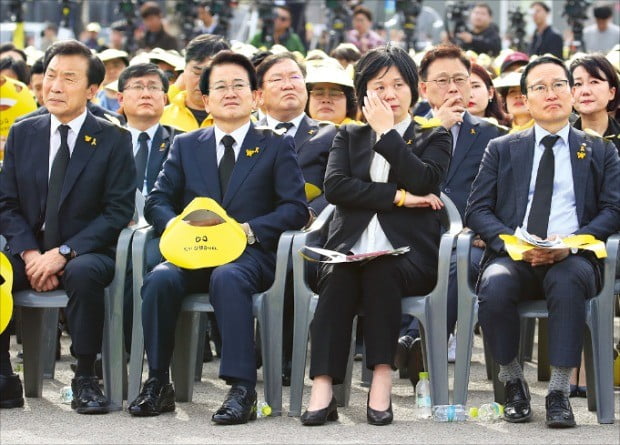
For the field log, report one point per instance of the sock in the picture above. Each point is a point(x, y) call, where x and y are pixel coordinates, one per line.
point(560, 379)
point(162, 375)
point(510, 371)
point(5, 357)
point(85, 365)
point(245, 383)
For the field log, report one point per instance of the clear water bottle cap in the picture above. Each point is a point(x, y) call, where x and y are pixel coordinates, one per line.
point(424, 375)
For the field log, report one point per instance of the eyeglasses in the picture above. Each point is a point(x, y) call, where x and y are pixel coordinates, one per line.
point(321, 93)
point(282, 18)
point(558, 86)
point(278, 81)
point(443, 82)
point(139, 88)
point(221, 88)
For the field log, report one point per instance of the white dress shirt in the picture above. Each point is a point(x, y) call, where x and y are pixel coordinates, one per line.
point(135, 134)
point(272, 122)
point(373, 238)
point(238, 135)
point(563, 215)
point(74, 129)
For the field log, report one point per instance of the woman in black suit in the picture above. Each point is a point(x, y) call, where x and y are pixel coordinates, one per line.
point(381, 177)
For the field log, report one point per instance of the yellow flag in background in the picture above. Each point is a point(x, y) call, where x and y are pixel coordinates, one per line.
point(19, 36)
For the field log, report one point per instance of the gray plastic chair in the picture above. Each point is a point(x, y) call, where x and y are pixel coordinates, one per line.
point(268, 310)
point(598, 347)
point(40, 323)
point(429, 309)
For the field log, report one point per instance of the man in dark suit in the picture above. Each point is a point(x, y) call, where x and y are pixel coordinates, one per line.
point(284, 96)
point(551, 180)
point(444, 74)
point(545, 40)
point(64, 198)
point(142, 97)
point(263, 191)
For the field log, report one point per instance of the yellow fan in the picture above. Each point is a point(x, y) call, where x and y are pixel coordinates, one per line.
point(6, 299)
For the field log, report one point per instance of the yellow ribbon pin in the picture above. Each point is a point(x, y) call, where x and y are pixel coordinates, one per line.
point(162, 147)
point(472, 131)
point(251, 151)
point(311, 131)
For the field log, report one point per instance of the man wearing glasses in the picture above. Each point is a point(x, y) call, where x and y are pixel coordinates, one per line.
point(254, 175)
point(551, 180)
point(282, 33)
point(445, 83)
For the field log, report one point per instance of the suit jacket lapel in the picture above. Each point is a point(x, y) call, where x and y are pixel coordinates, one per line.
point(206, 162)
point(159, 149)
point(468, 134)
point(304, 132)
point(82, 152)
point(42, 151)
point(250, 153)
point(580, 167)
point(521, 160)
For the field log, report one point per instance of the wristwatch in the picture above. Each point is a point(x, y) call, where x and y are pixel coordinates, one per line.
point(66, 251)
point(574, 250)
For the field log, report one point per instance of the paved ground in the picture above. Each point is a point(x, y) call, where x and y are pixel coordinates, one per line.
point(47, 420)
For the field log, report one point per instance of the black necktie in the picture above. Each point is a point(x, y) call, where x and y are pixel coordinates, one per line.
point(51, 237)
point(285, 125)
point(227, 163)
point(538, 220)
point(141, 157)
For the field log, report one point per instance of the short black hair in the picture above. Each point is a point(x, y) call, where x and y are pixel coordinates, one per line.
point(96, 69)
point(597, 66)
point(485, 6)
point(377, 61)
point(364, 11)
point(6, 47)
point(259, 56)
point(225, 58)
point(542, 5)
point(345, 53)
point(139, 70)
point(19, 67)
point(37, 67)
point(270, 61)
point(203, 46)
point(149, 8)
point(540, 61)
point(443, 51)
point(602, 12)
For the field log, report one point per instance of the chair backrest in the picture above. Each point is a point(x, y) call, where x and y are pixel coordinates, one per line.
point(450, 216)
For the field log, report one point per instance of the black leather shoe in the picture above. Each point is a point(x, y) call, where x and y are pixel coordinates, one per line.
point(320, 416)
point(286, 373)
point(578, 391)
point(517, 409)
point(559, 411)
point(379, 418)
point(87, 396)
point(402, 353)
point(239, 407)
point(11, 391)
point(415, 362)
point(153, 400)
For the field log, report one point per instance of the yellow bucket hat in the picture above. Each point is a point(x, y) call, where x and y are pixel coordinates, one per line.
point(6, 285)
point(203, 235)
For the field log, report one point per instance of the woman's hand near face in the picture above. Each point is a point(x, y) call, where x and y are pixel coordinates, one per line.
point(378, 113)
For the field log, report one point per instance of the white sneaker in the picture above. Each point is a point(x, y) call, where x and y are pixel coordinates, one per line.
point(452, 348)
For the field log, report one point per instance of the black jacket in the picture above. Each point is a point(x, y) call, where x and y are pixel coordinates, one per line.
point(488, 41)
point(550, 41)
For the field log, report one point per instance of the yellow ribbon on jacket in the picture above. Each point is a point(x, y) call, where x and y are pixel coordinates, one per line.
point(203, 235)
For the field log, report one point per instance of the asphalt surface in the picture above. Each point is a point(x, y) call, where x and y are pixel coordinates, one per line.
point(48, 421)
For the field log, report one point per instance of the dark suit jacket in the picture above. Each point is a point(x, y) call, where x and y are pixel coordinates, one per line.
point(612, 134)
point(313, 140)
point(158, 154)
point(418, 163)
point(499, 194)
point(474, 135)
point(95, 109)
point(97, 198)
point(266, 189)
point(550, 42)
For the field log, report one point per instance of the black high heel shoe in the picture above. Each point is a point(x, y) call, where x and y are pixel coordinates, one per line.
point(375, 417)
point(320, 416)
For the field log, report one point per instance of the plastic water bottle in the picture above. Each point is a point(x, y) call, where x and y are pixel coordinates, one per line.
point(449, 413)
point(263, 410)
point(423, 396)
point(489, 412)
point(66, 395)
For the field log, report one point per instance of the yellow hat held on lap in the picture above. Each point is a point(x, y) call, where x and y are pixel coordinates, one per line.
point(6, 299)
point(203, 235)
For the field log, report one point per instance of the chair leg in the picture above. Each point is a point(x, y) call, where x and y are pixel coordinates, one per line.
point(599, 371)
point(544, 369)
point(462, 364)
point(136, 362)
point(183, 365)
point(435, 344)
point(200, 347)
point(271, 345)
point(589, 367)
point(499, 391)
point(49, 348)
point(38, 324)
point(366, 373)
point(488, 359)
point(342, 392)
point(300, 353)
point(528, 326)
